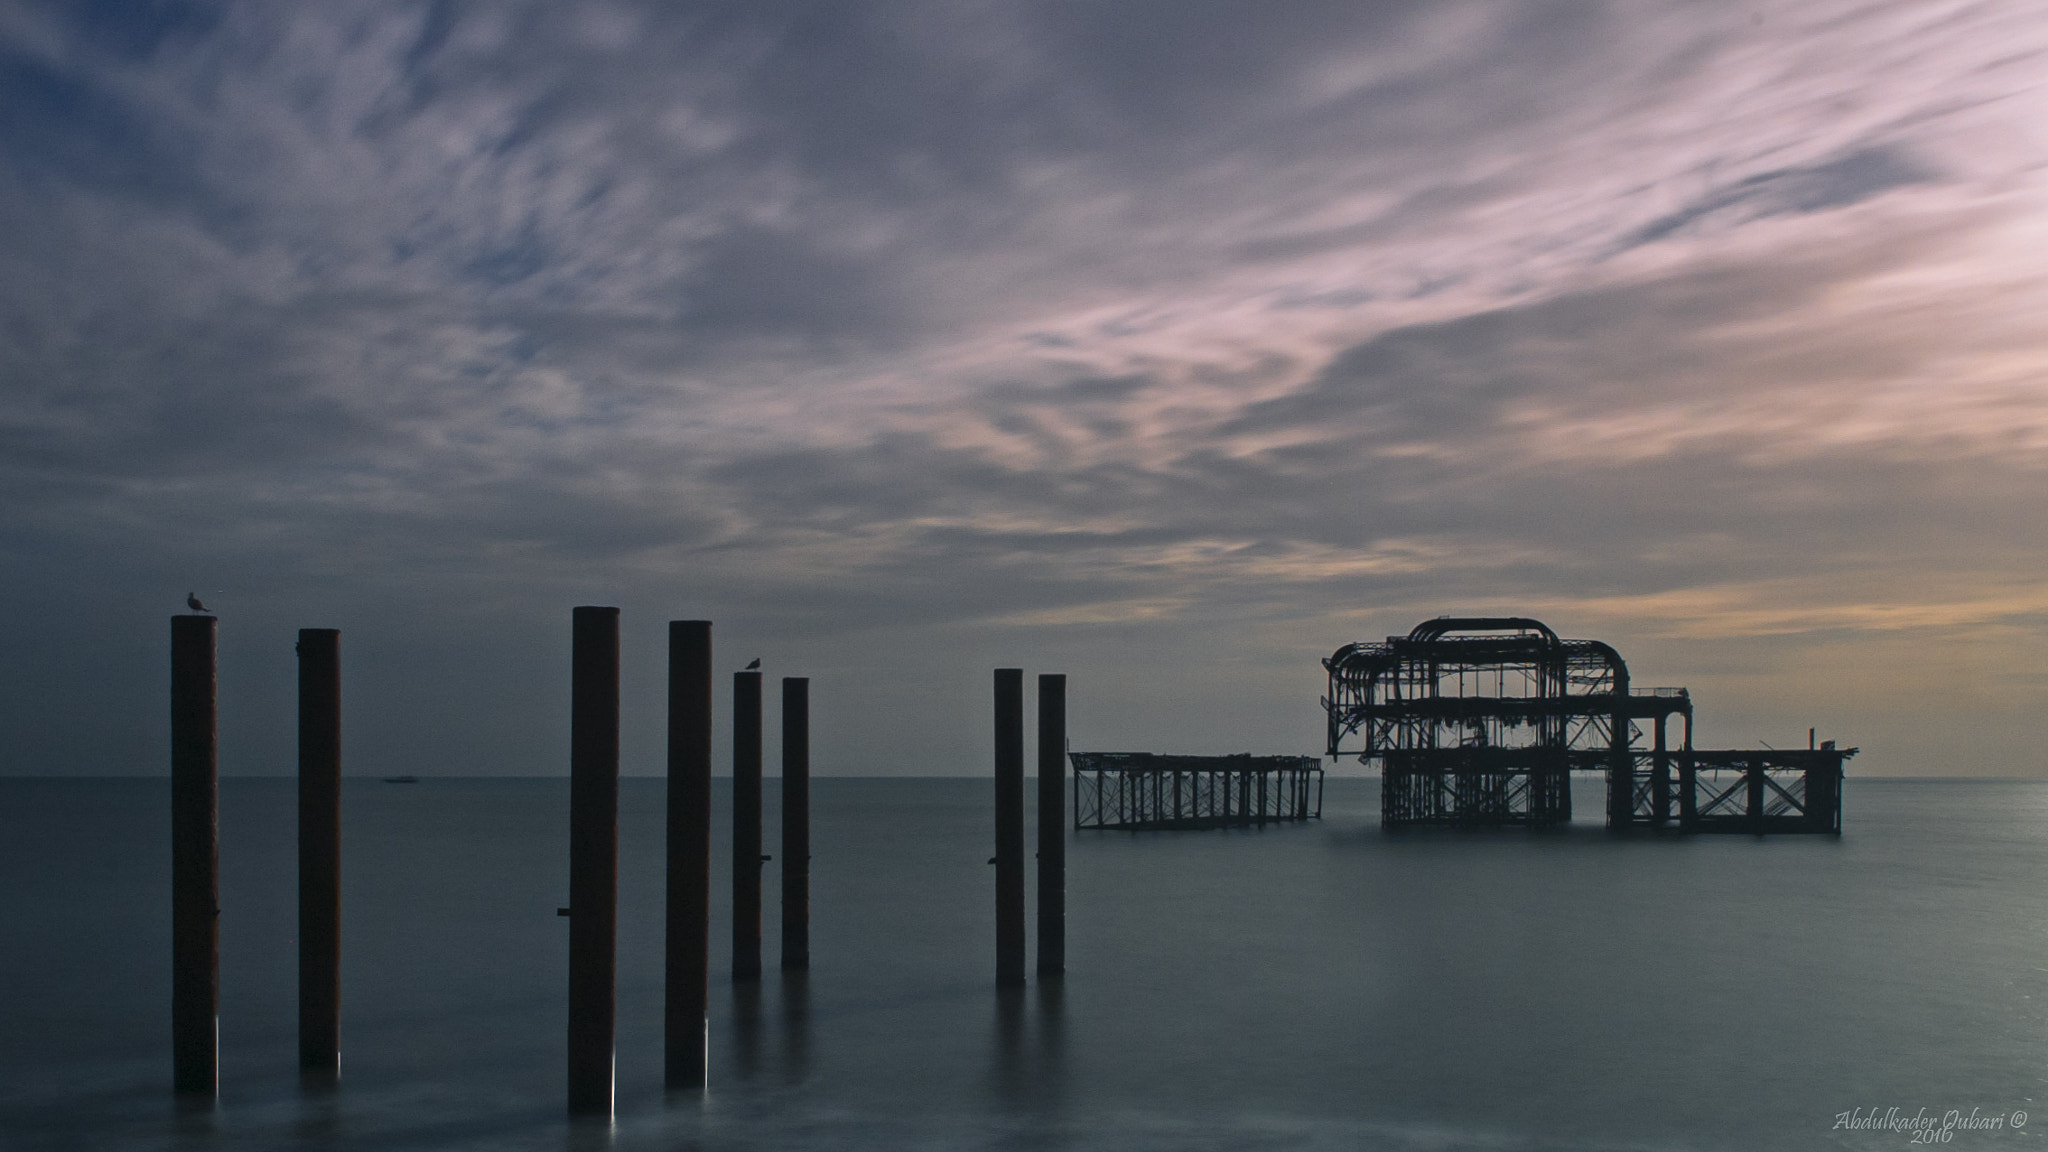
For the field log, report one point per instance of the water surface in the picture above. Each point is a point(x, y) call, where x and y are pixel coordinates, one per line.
point(1322, 985)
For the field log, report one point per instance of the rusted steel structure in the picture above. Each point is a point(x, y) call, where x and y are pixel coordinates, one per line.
point(1482, 720)
point(1146, 790)
point(1761, 791)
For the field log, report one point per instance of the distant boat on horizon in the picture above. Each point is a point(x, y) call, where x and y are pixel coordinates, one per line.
point(401, 779)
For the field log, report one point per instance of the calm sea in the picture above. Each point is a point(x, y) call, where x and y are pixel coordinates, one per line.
point(1322, 986)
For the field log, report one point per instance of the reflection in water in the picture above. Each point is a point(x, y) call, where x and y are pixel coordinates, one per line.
point(796, 1025)
point(746, 1027)
point(590, 1134)
point(1052, 1035)
point(198, 1116)
point(750, 1038)
point(1029, 1073)
point(1030, 1061)
point(1011, 1084)
point(319, 1113)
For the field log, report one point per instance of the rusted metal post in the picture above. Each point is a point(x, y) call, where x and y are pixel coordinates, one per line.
point(1834, 787)
point(1621, 771)
point(796, 823)
point(593, 857)
point(1009, 827)
point(1754, 778)
point(687, 990)
point(195, 859)
point(1660, 779)
point(1688, 778)
point(746, 825)
point(1824, 789)
point(1052, 827)
point(319, 651)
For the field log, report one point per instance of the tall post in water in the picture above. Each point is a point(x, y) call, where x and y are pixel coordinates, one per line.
point(1052, 827)
point(796, 823)
point(1009, 827)
point(195, 859)
point(746, 825)
point(319, 651)
point(687, 991)
point(593, 857)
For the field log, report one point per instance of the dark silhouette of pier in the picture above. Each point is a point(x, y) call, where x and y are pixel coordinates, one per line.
point(1482, 720)
point(1142, 790)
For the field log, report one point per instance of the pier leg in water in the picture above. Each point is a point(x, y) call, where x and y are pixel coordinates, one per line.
point(593, 858)
point(195, 860)
point(1009, 734)
point(796, 823)
point(1052, 826)
point(746, 825)
point(687, 990)
point(319, 651)
point(1660, 779)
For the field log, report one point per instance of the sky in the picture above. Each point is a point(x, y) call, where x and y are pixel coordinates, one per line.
point(1168, 344)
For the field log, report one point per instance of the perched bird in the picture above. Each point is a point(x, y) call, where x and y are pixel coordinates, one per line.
point(192, 602)
point(754, 664)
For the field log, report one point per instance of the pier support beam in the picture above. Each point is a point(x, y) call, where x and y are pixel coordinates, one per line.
point(1009, 733)
point(1824, 796)
point(1621, 777)
point(687, 984)
point(1052, 827)
point(319, 651)
point(195, 859)
point(1660, 779)
point(746, 825)
point(1688, 796)
point(796, 823)
point(593, 858)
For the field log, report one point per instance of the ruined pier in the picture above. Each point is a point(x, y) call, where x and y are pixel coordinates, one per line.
point(1482, 721)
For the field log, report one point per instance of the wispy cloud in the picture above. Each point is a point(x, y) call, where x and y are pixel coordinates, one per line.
point(995, 324)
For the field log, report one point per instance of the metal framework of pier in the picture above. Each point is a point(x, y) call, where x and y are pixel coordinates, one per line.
point(1148, 790)
point(1482, 720)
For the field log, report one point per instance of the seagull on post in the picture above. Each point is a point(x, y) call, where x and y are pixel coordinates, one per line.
point(192, 602)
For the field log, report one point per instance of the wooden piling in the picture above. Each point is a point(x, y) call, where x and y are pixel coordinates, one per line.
point(593, 858)
point(195, 859)
point(746, 825)
point(796, 823)
point(687, 990)
point(1009, 735)
point(1052, 826)
point(319, 651)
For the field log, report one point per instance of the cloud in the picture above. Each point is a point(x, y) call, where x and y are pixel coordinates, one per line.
point(1837, 183)
point(1028, 325)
